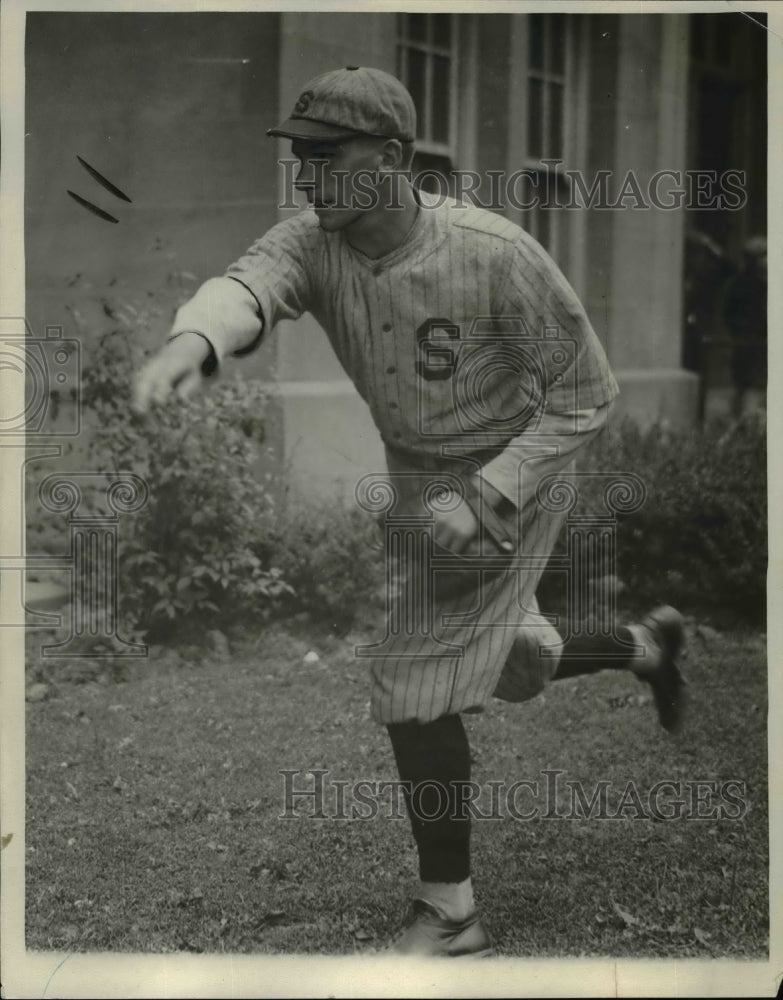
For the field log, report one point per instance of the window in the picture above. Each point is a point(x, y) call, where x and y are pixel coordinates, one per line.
point(713, 43)
point(726, 130)
point(549, 60)
point(546, 85)
point(427, 65)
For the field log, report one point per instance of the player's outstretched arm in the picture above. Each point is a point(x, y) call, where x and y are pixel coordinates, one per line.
point(222, 318)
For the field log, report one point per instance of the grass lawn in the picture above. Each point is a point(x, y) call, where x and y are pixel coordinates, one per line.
point(154, 799)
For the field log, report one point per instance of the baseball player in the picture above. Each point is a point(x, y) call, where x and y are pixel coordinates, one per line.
point(406, 286)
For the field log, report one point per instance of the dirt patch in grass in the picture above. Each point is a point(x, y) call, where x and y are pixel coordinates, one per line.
point(154, 802)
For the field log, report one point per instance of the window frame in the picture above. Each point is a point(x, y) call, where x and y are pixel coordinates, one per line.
point(567, 229)
point(404, 44)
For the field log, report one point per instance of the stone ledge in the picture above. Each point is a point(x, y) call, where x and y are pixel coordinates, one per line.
point(651, 394)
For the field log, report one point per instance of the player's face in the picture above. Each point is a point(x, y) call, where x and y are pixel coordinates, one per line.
point(338, 179)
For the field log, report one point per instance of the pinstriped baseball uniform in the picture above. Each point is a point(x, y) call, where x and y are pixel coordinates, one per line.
point(472, 352)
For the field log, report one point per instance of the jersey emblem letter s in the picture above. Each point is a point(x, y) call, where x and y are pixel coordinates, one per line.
point(437, 360)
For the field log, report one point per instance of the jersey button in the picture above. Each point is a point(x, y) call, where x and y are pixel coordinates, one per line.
point(386, 327)
point(391, 370)
point(393, 406)
point(397, 435)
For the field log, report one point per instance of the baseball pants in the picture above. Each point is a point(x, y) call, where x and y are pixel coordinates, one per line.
point(461, 658)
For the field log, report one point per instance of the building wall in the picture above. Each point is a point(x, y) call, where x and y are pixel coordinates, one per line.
point(171, 108)
point(145, 97)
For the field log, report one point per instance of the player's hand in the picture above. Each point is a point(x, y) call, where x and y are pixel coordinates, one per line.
point(457, 530)
point(177, 367)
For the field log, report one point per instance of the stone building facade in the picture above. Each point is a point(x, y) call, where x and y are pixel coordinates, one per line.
point(174, 107)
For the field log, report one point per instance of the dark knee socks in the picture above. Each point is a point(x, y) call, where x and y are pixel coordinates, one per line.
point(435, 758)
point(588, 654)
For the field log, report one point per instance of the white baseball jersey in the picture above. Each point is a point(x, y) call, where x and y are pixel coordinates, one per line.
point(472, 351)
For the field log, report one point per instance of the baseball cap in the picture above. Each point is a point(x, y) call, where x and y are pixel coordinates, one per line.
point(357, 100)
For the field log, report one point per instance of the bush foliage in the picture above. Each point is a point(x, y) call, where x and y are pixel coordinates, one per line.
point(700, 539)
point(331, 556)
point(188, 559)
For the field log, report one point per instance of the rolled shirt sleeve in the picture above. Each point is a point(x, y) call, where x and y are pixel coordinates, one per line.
point(225, 313)
point(516, 472)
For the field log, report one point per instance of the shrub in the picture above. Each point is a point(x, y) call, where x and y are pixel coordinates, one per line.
point(700, 539)
point(332, 557)
point(188, 558)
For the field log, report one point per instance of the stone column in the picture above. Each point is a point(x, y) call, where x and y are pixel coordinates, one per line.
point(646, 282)
point(321, 429)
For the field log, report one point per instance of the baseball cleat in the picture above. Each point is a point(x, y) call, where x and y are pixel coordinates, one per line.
point(430, 934)
point(666, 631)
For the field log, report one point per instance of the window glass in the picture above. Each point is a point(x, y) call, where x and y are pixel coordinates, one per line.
point(536, 41)
point(546, 85)
point(699, 25)
point(441, 30)
point(547, 45)
point(426, 64)
point(417, 27)
point(556, 48)
point(555, 130)
point(724, 50)
point(535, 117)
point(441, 99)
point(416, 82)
